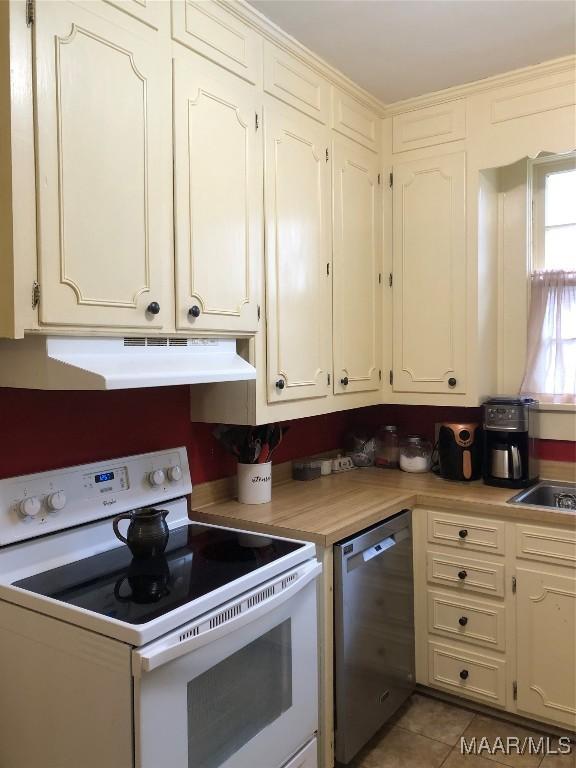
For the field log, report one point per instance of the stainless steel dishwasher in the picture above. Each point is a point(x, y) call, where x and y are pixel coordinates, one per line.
point(374, 630)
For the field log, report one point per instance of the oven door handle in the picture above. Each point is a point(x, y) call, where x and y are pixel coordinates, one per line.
point(226, 619)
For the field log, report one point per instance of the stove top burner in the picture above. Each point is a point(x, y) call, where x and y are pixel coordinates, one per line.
point(197, 560)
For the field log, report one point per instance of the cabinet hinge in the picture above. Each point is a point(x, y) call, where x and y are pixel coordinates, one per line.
point(35, 294)
point(390, 280)
point(326, 154)
point(391, 180)
point(29, 13)
point(379, 179)
point(380, 374)
point(513, 585)
point(257, 121)
point(380, 278)
point(258, 312)
point(391, 377)
point(515, 690)
point(328, 269)
point(329, 378)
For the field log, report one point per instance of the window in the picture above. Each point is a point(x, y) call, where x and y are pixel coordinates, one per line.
point(551, 356)
point(554, 214)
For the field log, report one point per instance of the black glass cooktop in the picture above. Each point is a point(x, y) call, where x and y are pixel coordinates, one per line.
point(197, 560)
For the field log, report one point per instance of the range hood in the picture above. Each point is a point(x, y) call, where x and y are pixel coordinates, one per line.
point(53, 362)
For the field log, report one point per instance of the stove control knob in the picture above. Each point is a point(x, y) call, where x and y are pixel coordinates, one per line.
point(56, 501)
point(30, 507)
point(175, 474)
point(156, 478)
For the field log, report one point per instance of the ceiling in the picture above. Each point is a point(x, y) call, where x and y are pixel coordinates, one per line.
point(401, 48)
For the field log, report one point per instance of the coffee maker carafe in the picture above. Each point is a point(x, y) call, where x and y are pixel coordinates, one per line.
point(509, 442)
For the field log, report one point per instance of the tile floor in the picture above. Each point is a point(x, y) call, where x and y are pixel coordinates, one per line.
point(426, 734)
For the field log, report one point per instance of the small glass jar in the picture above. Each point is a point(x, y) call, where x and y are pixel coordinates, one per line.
point(387, 448)
point(415, 454)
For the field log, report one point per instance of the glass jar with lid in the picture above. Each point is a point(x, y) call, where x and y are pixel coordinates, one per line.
point(387, 448)
point(415, 454)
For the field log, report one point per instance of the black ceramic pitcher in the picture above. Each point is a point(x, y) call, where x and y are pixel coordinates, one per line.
point(147, 534)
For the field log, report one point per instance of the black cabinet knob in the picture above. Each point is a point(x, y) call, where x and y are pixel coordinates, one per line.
point(194, 311)
point(452, 382)
point(463, 620)
point(280, 384)
point(462, 575)
point(464, 674)
point(463, 533)
point(344, 381)
point(153, 308)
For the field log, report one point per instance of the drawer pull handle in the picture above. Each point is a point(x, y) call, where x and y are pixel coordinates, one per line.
point(462, 575)
point(463, 620)
point(463, 533)
point(464, 674)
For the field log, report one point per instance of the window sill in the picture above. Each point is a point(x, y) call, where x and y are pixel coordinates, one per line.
point(557, 407)
point(557, 421)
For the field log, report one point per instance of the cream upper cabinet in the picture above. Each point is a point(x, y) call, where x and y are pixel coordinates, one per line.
point(151, 12)
point(546, 633)
point(429, 274)
point(298, 283)
point(218, 197)
point(357, 288)
point(295, 83)
point(207, 27)
point(104, 170)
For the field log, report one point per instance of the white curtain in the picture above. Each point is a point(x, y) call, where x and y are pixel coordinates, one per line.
point(551, 358)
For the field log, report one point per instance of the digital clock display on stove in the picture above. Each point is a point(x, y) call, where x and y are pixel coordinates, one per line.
point(104, 477)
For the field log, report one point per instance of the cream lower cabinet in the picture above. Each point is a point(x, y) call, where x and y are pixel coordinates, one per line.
point(357, 289)
point(429, 274)
point(104, 170)
point(298, 255)
point(218, 197)
point(546, 630)
point(500, 630)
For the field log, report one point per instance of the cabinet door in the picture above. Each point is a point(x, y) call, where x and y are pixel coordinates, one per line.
point(429, 266)
point(104, 169)
point(356, 251)
point(218, 184)
point(298, 283)
point(546, 631)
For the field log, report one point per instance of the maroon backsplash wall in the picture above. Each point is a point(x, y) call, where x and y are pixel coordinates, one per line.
point(45, 430)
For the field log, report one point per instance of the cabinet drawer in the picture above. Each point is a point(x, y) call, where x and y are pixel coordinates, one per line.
point(552, 545)
point(431, 125)
point(473, 675)
point(466, 532)
point(469, 621)
point(293, 82)
point(465, 574)
point(208, 29)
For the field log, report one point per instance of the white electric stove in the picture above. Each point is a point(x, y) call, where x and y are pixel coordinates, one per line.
point(204, 657)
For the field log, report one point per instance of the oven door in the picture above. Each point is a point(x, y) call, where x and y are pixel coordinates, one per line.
point(236, 688)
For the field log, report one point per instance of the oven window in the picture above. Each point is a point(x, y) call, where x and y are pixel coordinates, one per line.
point(233, 701)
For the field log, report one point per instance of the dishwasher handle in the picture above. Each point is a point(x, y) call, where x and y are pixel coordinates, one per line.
point(377, 549)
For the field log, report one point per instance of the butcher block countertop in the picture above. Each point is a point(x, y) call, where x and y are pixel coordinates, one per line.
point(336, 506)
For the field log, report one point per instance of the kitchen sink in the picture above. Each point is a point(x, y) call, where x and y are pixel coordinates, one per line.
point(549, 493)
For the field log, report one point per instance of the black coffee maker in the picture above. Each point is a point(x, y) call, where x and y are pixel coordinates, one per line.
point(509, 441)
